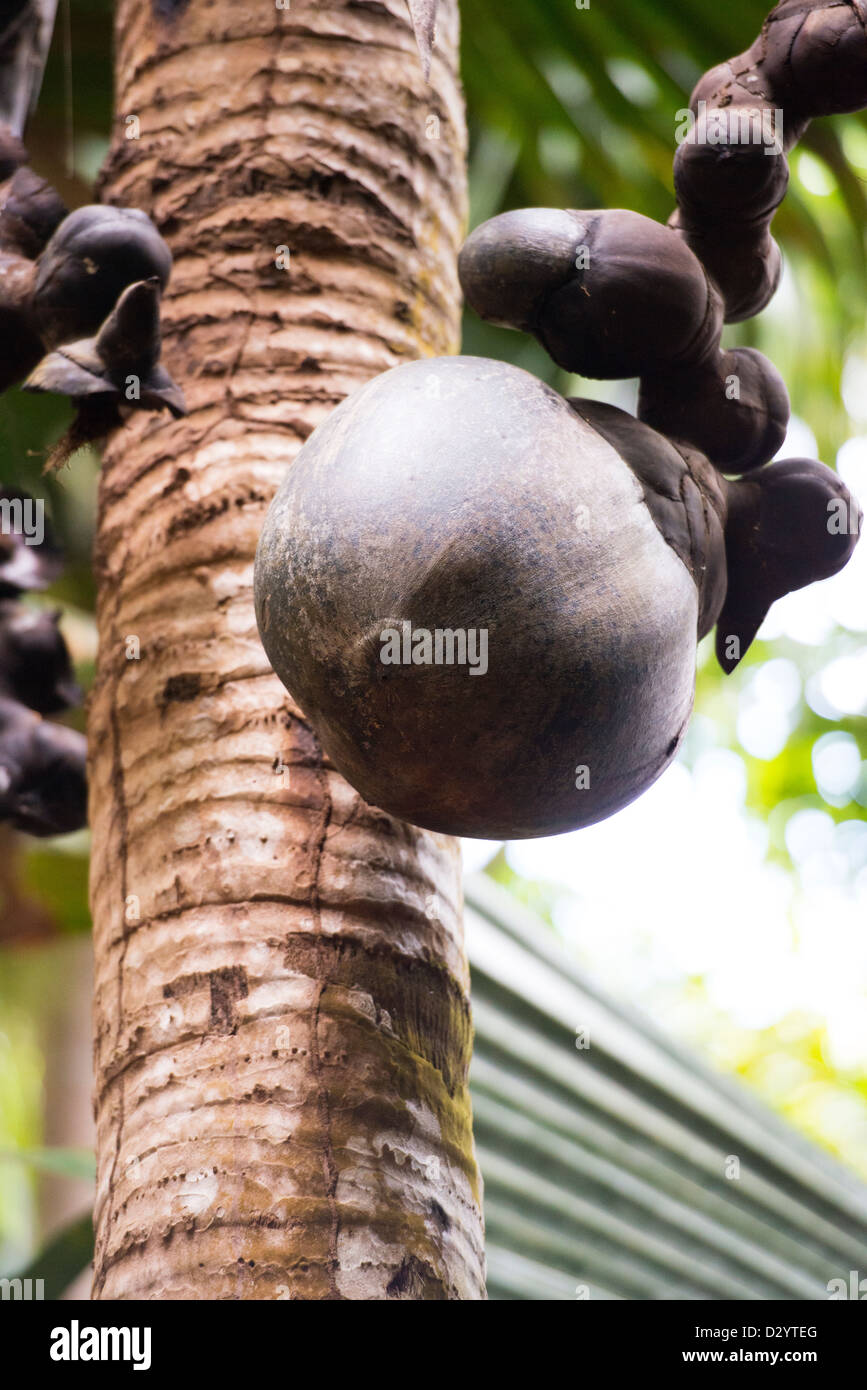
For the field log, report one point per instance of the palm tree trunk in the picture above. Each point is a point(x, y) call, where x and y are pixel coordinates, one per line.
point(282, 1020)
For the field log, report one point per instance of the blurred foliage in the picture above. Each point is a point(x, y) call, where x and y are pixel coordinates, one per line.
point(63, 1258)
point(21, 1068)
point(64, 1163)
point(537, 895)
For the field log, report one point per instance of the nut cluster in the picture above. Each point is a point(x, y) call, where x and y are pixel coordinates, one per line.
point(612, 294)
point(731, 172)
point(43, 788)
point(79, 315)
point(79, 302)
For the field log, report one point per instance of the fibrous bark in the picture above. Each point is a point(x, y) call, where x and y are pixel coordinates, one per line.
point(282, 1024)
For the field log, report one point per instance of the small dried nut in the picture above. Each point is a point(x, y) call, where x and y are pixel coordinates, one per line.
point(93, 256)
point(43, 780)
point(35, 667)
point(789, 525)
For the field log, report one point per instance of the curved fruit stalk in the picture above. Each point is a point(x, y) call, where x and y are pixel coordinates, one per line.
point(731, 172)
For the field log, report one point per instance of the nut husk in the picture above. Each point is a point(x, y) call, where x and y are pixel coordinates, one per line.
point(463, 494)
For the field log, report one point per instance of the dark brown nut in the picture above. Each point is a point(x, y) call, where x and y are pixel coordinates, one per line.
point(544, 542)
point(684, 494)
point(511, 264)
point(809, 60)
point(43, 782)
point(815, 56)
point(734, 408)
point(35, 668)
point(730, 175)
point(12, 152)
point(744, 261)
point(614, 295)
point(93, 256)
point(711, 180)
point(31, 211)
point(20, 343)
point(789, 525)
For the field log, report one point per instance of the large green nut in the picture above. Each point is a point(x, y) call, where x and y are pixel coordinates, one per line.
point(458, 507)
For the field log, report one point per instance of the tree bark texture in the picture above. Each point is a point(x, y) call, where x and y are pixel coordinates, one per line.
point(281, 1001)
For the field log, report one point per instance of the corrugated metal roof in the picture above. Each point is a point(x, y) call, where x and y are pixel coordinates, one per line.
point(606, 1168)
